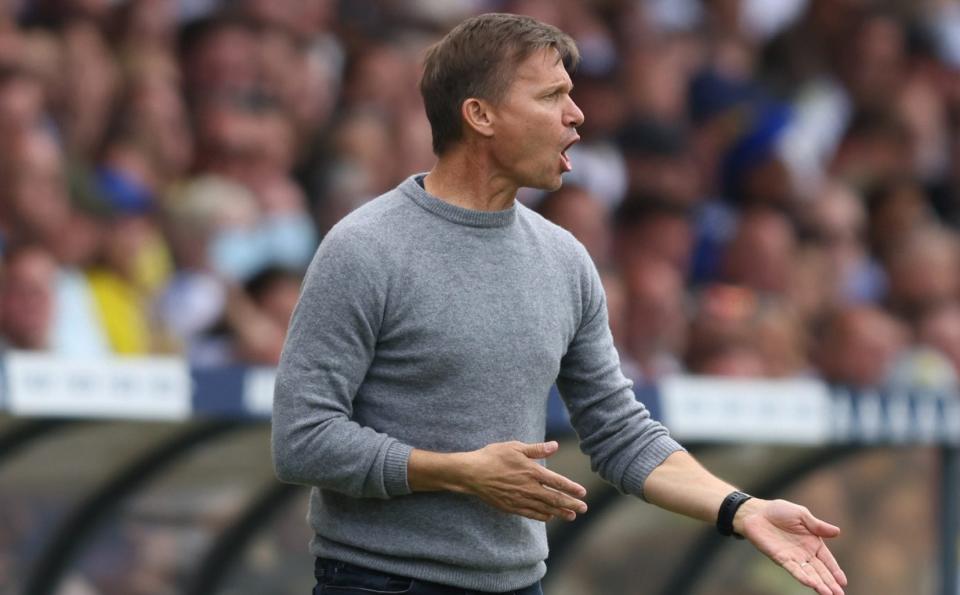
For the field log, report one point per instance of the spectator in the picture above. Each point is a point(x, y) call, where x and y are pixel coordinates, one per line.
point(760, 254)
point(22, 100)
point(859, 347)
point(940, 329)
point(259, 316)
point(39, 210)
point(811, 290)
point(651, 226)
point(735, 359)
point(218, 56)
point(134, 261)
point(873, 149)
point(90, 87)
point(720, 331)
point(659, 162)
point(873, 61)
point(27, 297)
point(34, 204)
point(781, 338)
point(582, 214)
point(924, 272)
point(194, 299)
point(656, 317)
point(144, 25)
point(155, 117)
point(834, 221)
point(895, 208)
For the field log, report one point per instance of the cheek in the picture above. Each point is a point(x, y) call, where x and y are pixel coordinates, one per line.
point(530, 127)
point(536, 146)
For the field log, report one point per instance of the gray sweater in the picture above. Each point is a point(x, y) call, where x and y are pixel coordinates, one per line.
point(425, 325)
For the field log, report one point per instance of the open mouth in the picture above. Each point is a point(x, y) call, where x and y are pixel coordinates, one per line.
point(565, 163)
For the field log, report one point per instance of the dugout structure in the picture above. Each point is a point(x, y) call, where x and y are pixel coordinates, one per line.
point(107, 432)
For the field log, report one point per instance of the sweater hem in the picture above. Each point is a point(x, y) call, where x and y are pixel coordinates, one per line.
point(477, 579)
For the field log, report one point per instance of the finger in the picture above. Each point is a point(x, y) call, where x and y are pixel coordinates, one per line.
point(539, 450)
point(533, 514)
point(562, 484)
point(816, 580)
point(546, 509)
point(826, 556)
point(558, 499)
point(553, 502)
point(826, 576)
point(818, 527)
point(806, 576)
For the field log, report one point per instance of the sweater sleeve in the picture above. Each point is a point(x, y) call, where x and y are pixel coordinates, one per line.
point(329, 347)
point(616, 431)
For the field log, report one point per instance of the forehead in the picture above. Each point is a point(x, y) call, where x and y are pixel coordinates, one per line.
point(542, 67)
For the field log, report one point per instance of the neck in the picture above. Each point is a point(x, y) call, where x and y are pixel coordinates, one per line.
point(463, 177)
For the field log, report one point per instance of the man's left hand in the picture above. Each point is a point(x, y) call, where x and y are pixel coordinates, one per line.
point(793, 538)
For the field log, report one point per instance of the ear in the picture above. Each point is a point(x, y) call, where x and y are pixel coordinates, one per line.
point(478, 116)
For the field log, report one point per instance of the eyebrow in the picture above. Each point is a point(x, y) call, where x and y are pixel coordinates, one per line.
point(552, 88)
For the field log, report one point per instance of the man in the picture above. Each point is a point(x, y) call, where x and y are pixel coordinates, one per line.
point(432, 322)
point(27, 297)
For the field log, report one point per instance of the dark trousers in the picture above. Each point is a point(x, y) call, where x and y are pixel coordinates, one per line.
point(340, 578)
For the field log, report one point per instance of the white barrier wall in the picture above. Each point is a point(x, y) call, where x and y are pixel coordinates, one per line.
point(696, 409)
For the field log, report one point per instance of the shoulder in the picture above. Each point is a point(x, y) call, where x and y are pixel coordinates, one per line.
point(372, 215)
point(559, 239)
point(371, 227)
point(568, 255)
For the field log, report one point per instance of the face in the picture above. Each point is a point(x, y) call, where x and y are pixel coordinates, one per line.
point(863, 344)
point(582, 214)
point(278, 303)
point(27, 299)
point(535, 123)
point(37, 190)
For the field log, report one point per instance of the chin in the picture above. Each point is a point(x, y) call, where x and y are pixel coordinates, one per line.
point(548, 184)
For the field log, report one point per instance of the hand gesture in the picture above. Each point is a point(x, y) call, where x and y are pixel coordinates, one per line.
point(793, 538)
point(507, 476)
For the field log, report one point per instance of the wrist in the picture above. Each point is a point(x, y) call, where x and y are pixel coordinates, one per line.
point(727, 523)
point(748, 509)
point(435, 471)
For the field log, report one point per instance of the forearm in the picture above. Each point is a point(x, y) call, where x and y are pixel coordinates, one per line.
point(785, 532)
point(435, 471)
point(339, 455)
point(624, 443)
point(682, 485)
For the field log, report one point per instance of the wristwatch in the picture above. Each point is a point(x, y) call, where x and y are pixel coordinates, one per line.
point(728, 509)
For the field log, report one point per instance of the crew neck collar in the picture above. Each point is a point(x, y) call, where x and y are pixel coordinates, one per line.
point(413, 187)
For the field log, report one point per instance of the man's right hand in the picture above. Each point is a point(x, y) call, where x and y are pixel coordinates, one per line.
point(505, 475)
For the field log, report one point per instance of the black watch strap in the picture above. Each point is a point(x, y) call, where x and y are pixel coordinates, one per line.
point(728, 509)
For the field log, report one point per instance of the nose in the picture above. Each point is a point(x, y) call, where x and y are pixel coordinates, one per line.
point(573, 117)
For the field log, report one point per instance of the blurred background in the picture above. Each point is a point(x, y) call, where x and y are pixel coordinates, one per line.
point(770, 189)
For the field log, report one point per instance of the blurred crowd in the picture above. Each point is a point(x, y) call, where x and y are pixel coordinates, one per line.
point(769, 189)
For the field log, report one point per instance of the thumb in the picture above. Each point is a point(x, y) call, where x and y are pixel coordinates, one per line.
point(540, 450)
point(820, 528)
